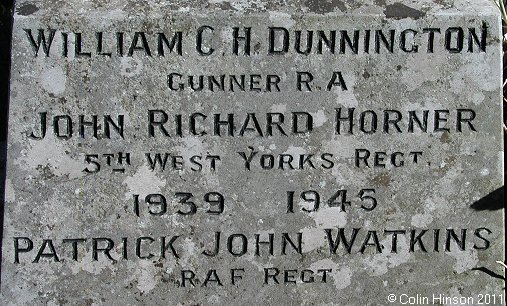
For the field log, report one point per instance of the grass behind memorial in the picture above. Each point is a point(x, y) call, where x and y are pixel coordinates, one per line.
point(502, 7)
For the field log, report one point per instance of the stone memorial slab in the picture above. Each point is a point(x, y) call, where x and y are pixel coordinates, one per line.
point(254, 152)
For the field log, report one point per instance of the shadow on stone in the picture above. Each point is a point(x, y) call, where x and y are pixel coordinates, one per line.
point(5, 55)
point(493, 201)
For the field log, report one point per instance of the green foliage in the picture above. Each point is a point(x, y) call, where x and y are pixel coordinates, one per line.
point(501, 6)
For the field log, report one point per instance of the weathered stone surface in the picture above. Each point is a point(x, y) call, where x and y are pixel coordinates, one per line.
point(407, 187)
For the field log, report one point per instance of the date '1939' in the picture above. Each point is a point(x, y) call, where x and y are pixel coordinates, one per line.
point(156, 204)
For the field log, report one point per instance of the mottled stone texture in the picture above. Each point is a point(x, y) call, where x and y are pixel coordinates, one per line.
point(390, 122)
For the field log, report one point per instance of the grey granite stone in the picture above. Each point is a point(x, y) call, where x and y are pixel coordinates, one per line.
point(372, 161)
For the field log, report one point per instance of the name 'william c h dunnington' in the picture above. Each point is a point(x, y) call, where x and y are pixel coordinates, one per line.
point(206, 40)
